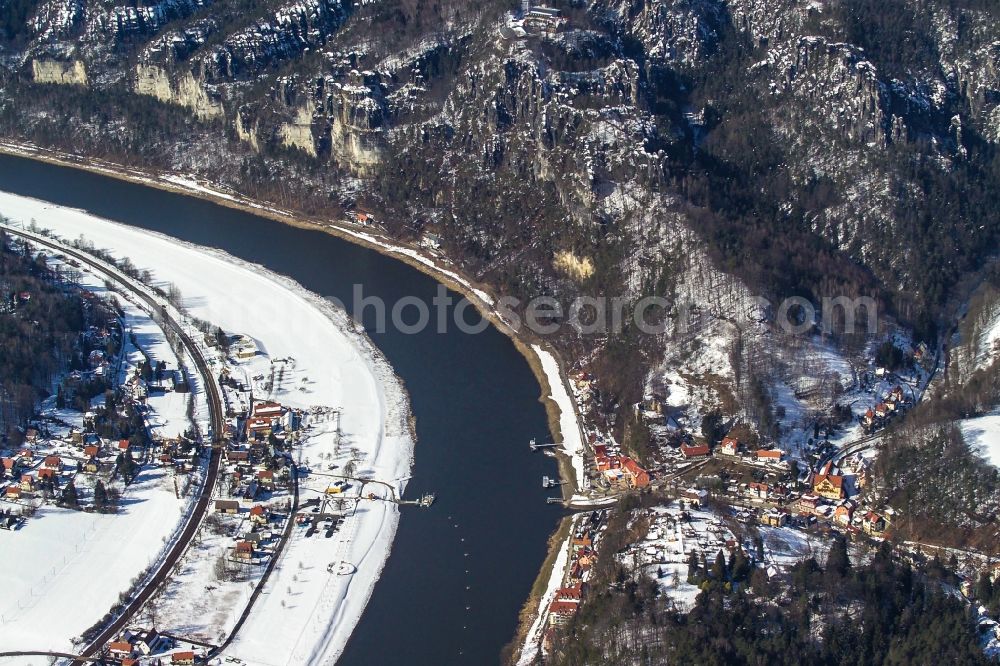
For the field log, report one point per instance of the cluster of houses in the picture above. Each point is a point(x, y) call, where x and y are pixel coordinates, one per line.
point(133, 648)
point(730, 447)
point(892, 403)
point(582, 555)
point(255, 464)
point(263, 530)
point(27, 474)
point(254, 470)
point(828, 501)
point(618, 471)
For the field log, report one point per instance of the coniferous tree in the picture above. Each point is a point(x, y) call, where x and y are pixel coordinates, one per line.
point(100, 496)
point(69, 496)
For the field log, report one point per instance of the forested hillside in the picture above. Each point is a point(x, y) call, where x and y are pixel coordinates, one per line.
point(800, 148)
point(40, 325)
point(886, 611)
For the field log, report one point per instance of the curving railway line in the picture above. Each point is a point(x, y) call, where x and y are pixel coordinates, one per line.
point(216, 419)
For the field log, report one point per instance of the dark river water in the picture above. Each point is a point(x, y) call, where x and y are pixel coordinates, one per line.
point(459, 571)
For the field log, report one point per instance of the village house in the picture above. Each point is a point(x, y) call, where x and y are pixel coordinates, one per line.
point(562, 611)
point(769, 455)
point(52, 462)
point(27, 483)
point(185, 658)
point(806, 505)
point(574, 592)
point(615, 478)
point(827, 484)
point(873, 524)
point(9, 467)
point(91, 451)
point(123, 445)
point(243, 551)
point(242, 347)
point(694, 496)
point(758, 491)
point(265, 478)
point(635, 476)
point(136, 389)
point(120, 649)
point(620, 471)
point(881, 411)
point(774, 519)
point(149, 642)
point(92, 466)
point(13, 492)
point(227, 506)
point(258, 427)
point(843, 514)
point(258, 515)
point(31, 435)
point(581, 567)
point(869, 417)
point(268, 410)
point(695, 451)
point(730, 446)
point(237, 456)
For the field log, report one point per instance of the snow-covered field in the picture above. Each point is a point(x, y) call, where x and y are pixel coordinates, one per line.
point(63, 570)
point(72, 565)
point(336, 367)
point(982, 434)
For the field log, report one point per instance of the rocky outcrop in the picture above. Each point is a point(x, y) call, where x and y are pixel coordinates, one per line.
point(54, 71)
point(298, 132)
point(184, 90)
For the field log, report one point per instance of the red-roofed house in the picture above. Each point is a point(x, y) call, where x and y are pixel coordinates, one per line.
point(265, 477)
point(90, 451)
point(268, 410)
point(636, 476)
point(243, 551)
point(258, 515)
point(185, 658)
point(52, 462)
point(769, 455)
point(695, 451)
point(258, 426)
point(560, 612)
point(730, 446)
point(123, 444)
point(829, 485)
point(120, 649)
point(873, 524)
point(842, 514)
point(571, 593)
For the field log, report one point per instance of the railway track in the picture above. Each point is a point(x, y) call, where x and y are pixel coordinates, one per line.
point(216, 419)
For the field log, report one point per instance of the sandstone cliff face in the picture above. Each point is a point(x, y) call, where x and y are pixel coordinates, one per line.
point(53, 71)
point(182, 89)
point(554, 160)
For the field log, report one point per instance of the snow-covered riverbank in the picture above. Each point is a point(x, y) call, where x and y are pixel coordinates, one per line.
point(335, 367)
